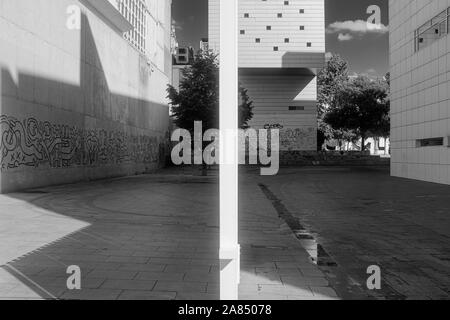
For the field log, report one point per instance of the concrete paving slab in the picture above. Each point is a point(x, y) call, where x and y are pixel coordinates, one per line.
point(146, 237)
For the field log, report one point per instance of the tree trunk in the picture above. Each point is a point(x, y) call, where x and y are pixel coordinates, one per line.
point(363, 143)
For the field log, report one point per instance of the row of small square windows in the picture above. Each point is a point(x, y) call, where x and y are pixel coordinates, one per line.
point(308, 44)
point(270, 28)
point(286, 40)
point(279, 15)
point(286, 3)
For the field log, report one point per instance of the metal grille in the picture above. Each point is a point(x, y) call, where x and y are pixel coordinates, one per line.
point(135, 11)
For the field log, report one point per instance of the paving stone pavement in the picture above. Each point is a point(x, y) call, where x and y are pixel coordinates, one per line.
point(151, 237)
point(362, 217)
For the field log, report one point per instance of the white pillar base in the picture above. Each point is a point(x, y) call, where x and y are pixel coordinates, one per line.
point(230, 273)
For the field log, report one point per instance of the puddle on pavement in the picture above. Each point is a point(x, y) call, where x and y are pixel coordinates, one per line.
point(346, 286)
point(317, 253)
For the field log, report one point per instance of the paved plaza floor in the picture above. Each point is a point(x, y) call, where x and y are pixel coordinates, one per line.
point(362, 217)
point(146, 237)
point(308, 233)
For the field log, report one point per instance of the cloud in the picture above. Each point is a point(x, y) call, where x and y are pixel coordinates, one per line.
point(348, 30)
point(345, 37)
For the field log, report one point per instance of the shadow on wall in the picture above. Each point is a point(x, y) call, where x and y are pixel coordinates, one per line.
point(313, 60)
point(73, 137)
point(296, 139)
point(284, 99)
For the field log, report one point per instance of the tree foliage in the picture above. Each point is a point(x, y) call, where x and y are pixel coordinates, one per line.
point(329, 80)
point(361, 106)
point(198, 95)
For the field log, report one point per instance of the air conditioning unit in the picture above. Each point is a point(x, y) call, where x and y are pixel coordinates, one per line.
point(182, 56)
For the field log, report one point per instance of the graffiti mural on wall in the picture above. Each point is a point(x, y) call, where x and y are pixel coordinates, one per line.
point(34, 143)
point(298, 139)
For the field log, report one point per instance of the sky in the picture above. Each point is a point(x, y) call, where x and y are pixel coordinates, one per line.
point(365, 49)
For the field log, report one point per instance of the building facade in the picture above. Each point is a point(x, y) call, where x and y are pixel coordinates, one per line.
point(281, 48)
point(82, 89)
point(204, 45)
point(420, 88)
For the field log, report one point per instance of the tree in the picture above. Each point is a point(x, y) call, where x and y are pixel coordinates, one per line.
point(198, 97)
point(384, 127)
point(329, 81)
point(339, 135)
point(361, 106)
point(245, 107)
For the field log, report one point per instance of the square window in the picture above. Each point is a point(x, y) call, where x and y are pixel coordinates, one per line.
point(280, 15)
point(309, 44)
point(268, 28)
point(302, 11)
point(275, 48)
point(286, 3)
point(286, 40)
point(302, 28)
point(242, 31)
point(246, 15)
point(258, 40)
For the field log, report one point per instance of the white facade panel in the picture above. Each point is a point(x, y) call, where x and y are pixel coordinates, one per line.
point(420, 80)
point(278, 66)
point(288, 103)
point(296, 38)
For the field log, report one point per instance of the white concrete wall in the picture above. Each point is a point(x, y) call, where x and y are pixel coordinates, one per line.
point(177, 75)
point(420, 93)
point(296, 53)
point(158, 24)
point(272, 95)
point(283, 78)
point(75, 104)
point(214, 25)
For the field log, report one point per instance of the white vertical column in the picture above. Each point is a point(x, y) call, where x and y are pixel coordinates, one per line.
point(229, 247)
